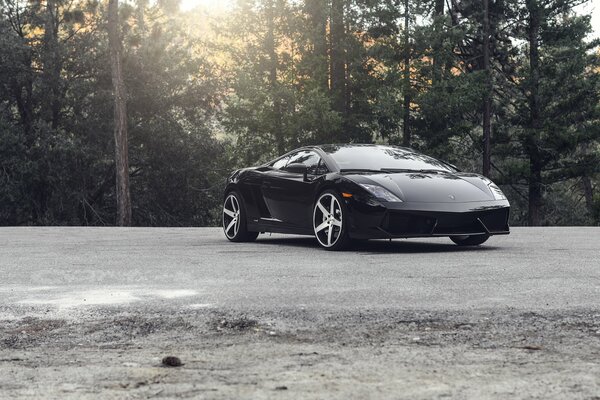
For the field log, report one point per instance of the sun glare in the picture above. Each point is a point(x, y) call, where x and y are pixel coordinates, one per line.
point(209, 5)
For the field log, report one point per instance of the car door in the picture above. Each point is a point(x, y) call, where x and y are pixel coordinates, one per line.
point(269, 190)
point(287, 195)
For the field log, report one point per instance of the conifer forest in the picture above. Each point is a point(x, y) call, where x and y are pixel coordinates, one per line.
point(135, 112)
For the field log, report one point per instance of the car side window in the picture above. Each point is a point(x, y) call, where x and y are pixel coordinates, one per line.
point(321, 168)
point(280, 163)
point(308, 158)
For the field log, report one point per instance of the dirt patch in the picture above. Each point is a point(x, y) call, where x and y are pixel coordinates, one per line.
point(235, 324)
point(28, 331)
point(343, 354)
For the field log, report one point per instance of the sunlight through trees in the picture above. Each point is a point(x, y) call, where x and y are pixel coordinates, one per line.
point(507, 88)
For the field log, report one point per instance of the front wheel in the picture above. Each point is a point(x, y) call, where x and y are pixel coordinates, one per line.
point(472, 240)
point(234, 219)
point(329, 221)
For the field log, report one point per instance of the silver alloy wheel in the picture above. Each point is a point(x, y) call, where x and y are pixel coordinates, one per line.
point(327, 220)
point(231, 216)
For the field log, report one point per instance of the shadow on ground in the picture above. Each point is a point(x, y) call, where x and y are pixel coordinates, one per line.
point(378, 246)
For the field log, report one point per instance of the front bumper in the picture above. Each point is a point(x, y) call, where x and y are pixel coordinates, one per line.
point(402, 220)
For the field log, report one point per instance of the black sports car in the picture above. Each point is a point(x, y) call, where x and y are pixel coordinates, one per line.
point(354, 191)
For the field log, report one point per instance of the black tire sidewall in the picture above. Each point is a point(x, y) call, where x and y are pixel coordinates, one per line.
point(343, 239)
point(242, 235)
point(472, 240)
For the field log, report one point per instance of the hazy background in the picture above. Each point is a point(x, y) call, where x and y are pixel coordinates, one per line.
point(216, 85)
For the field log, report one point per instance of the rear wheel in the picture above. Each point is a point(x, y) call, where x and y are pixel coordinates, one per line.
point(469, 240)
point(329, 221)
point(234, 219)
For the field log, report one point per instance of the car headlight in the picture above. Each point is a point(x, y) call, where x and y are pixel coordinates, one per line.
point(496, 192)
point(380, 192)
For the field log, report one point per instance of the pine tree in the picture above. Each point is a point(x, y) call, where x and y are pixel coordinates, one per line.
point(557, 117)
point(120, 117)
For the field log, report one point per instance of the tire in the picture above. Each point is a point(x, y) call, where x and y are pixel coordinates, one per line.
point(235, 224)
point(331, 229)
point(473, 240)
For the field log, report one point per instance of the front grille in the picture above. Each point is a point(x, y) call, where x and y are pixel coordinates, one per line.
point(458, 224)
point(402, 223)
point(495, 220)
point(473, 222)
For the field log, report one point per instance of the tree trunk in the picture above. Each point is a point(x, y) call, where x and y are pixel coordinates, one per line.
point(406, 139)
point(338, 56)
point(438, 25)
point(22, 86)
point(317, 12)
point(487, 97)
point(52, 66)
point(535, 192)
point(273, 63)
point(24, 105)
point(120, 117)
point(141, 10)
point(535, 122)
point(588, 193)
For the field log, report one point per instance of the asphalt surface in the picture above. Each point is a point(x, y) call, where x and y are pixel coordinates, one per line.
point(90, 312)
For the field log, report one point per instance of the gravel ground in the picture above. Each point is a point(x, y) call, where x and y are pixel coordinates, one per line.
point(91, 312)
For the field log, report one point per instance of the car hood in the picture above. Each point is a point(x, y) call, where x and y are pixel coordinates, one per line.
point(432, 187)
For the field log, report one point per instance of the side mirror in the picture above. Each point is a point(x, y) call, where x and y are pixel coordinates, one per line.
point(297, 168)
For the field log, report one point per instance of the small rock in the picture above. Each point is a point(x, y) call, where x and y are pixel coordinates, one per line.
point(171, 361)
point(416, 339)
point(314, 353)
point(272, 333)
point(531, 347)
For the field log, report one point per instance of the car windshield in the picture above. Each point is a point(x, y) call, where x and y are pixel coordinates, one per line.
point(383, 158)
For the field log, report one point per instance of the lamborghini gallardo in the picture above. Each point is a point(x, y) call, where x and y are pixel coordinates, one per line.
point(342, 193)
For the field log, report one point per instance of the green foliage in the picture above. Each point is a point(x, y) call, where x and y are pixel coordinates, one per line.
point(207, 94)
point(58, 167)
point(14, 170)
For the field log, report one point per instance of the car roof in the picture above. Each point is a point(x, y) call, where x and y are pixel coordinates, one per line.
point(327, 149)
point(334, 146)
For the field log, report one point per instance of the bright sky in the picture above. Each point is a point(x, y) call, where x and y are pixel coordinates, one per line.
point(592, 6)
point(216, 5)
